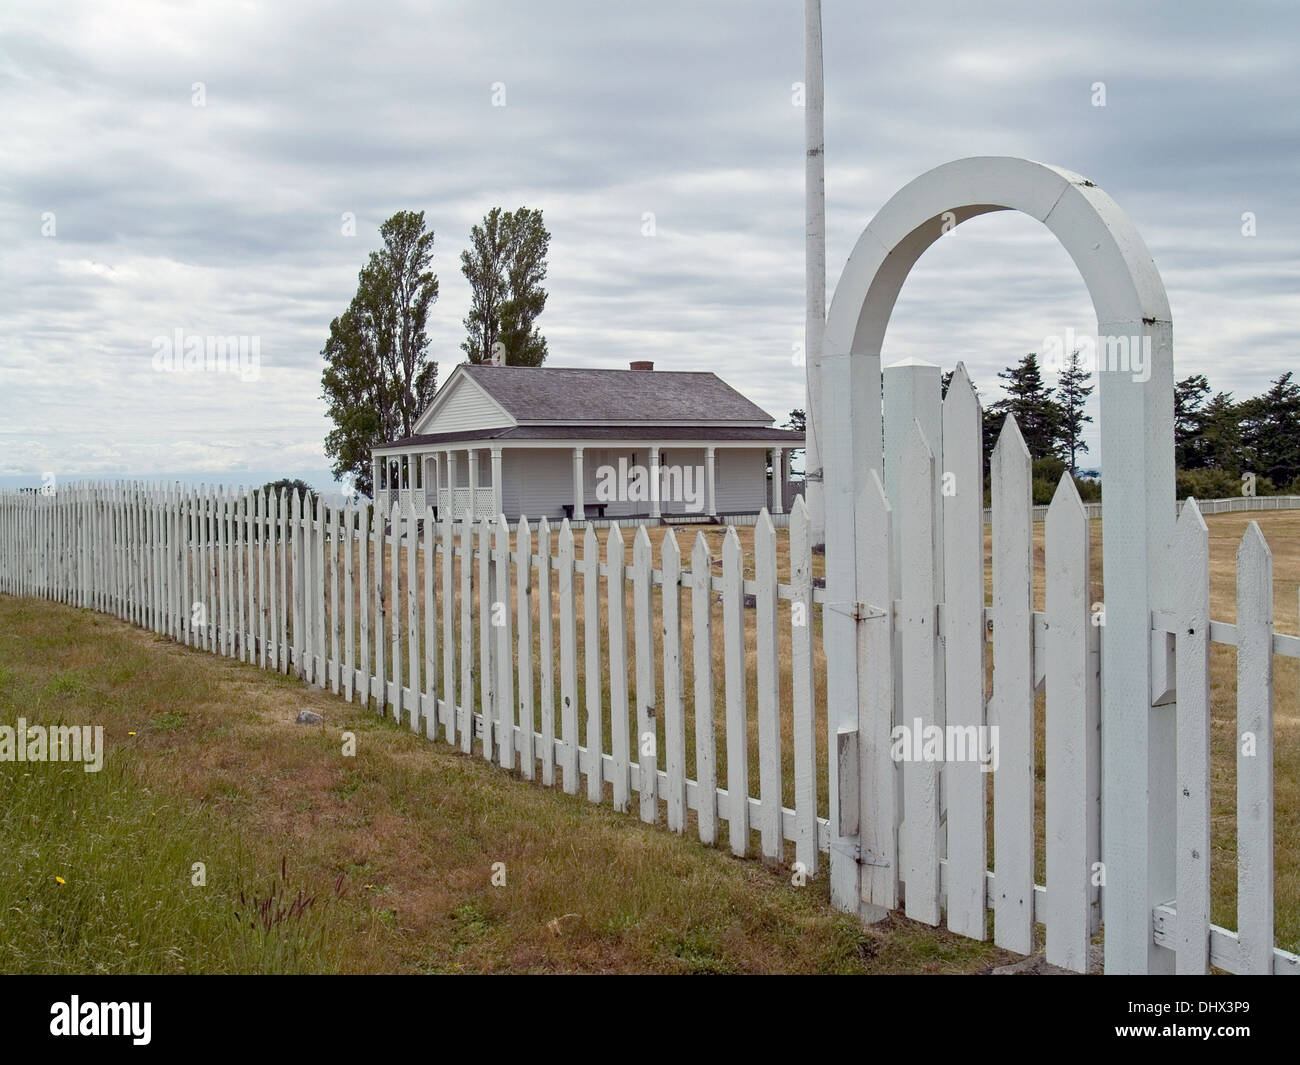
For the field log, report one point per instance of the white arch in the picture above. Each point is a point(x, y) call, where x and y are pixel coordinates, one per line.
point(1136, 455)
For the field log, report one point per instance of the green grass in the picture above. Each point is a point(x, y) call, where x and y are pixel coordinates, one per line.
point(99, 877)
point(395, 846)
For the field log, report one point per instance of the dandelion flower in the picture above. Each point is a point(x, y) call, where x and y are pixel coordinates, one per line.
point(130, 733)
point(59, 880)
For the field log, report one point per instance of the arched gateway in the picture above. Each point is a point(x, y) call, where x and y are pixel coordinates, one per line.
point(1137, 455)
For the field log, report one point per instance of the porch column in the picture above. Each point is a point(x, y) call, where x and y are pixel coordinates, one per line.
point(778, 479)
point(496, 482)
point(656, 484)
point(437, 484)
point(376, 464)
point(473, 482)
point(710, 478)
point(451, 484)
point(579, 513)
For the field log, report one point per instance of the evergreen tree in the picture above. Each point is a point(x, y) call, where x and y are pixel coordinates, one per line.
point(1221, 438)
point(1037, 413)
point(1074, 393)
point(1189, 421)
point(1270, 430)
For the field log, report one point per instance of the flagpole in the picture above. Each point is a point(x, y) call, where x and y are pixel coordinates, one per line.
point(814, 264)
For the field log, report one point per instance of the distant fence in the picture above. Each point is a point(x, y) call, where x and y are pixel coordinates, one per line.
point(657, 679)
point(1230, 505)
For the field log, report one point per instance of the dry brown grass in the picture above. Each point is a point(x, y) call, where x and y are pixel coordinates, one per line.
point(217, 770)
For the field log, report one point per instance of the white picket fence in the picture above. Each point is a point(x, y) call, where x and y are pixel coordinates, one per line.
point(434, 620)
point(469, 632)
point(934, 535)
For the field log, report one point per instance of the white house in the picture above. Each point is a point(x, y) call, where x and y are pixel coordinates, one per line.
point(587, 444)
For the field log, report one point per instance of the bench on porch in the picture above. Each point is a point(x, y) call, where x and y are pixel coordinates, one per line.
point(587, 508)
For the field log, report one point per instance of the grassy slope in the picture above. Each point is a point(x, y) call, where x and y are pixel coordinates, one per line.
point(395, 845)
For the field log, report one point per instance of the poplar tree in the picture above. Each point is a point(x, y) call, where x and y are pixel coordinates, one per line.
point(378, 375)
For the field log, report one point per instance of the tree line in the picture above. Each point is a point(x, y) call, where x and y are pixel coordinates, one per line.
point(379, 373)
point(1222, 446)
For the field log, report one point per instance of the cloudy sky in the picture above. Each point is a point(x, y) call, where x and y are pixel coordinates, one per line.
point(190, 167)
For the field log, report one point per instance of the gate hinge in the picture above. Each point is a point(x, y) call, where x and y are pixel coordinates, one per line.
point(857, 611)
point(847, 848)
point(854, 851)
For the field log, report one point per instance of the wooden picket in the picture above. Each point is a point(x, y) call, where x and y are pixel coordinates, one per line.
point(284, 561)
point(363, 598)
point(546, 651)
point(674, 720)
point(486, 638)
point(467, 693)
point(803, 693)
point(769, 694)
point(878, 794)
point(963, 636)
point(449, 627)
point(349, 601)
point(919, 634)
point(379, 550)
point(413, 647)
point(1254, 744)
point(505, 667)
point(1072, 731)
point(568, 662)
point(396, 611)
point(1192, 546)
point(733, 605)
point(647, 737)
point(524, 609)
point(429, 708)
point(618, 705)
point(594, 670)
point(1012, 707)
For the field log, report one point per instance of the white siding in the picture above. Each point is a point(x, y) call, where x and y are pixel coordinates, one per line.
point(464, 408)
point(694, 499)
point(742, 480)
point(536, 482)
point(539, 481)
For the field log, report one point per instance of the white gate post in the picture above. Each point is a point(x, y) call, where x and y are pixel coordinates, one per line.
point(1138, 713)
point(839, 617)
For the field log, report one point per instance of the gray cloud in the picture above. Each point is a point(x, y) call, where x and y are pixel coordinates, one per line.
point(225, 219)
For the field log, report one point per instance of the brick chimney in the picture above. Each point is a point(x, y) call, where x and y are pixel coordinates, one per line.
point(643, 364)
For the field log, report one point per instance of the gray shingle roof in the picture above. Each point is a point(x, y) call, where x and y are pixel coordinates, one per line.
point(549, 394)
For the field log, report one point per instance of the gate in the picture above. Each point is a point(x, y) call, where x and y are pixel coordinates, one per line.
point(906, 624)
